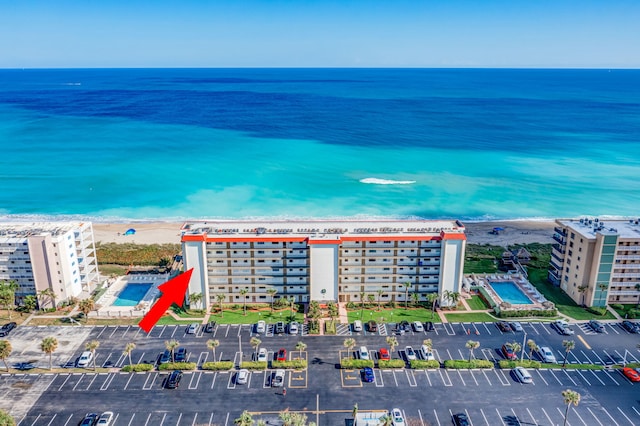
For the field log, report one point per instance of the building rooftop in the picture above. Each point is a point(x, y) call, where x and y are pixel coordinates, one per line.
point(588, 227)
point(321, 229)
point(20, 230)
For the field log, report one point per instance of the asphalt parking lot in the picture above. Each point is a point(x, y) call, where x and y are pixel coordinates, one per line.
point(324, 391)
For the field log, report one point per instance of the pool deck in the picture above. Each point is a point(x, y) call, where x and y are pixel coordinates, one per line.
point(106, 301)
point(519, 280)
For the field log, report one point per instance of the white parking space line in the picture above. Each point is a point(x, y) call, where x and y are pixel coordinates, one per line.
point(202, 358)
point(101, 331)
point(426, 373)
point(379, 381)
point(614, 328)
point(141, 358)
point(485, 418)
point(625, 416)
point(395, 378)
point(210, 419)
point(599, 359)
point(627, 353)
point(580, 417)
point(147, 385)
point(637, 412)
point(197, 376)
point(135, 336)
point(115, 328)
point(213, 382)
point(120, 361)
point(37, 418)
point(68, 420)
point(131, 421)
point(473, 377)
point(107, 382)
point(533, 328)
point(227, 331)
point(569, 377)
point(607, 413)
point(515, 416)
point(130, 377)
point(487, 328)
point(499, 416)
point(231, 384)
point(461, 379)
point(547, 416)
point(194, 420)
point(164, 327)
point(594, 416)
point(583, 378)
point(91, 382)
point(63, 383)
point(126, 331)
point(449, 353)
point(179, 417)
point(435, 414)
point(533, 419)
point(596, 376)
point(461, 354)
point(174, 331)
point(587, 358)
point(411, 378)
point(484, 373)
point(54, 416)
point(502, 377)
point(443, 376)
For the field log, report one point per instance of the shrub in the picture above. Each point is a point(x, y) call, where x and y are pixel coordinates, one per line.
point(218, 366)
point(177, 366)
point(597, 310)
point(330, 327)
point(355, 363)
point(573, 366)
point(254, 365)
point(527, 363)
point(633, 313)
point(463, 364)
point(351, 305)
point(617, 306)
point(528, 313)
point(391, 363)
point(314, 327)
point(420, 363)
point(137, 368)
point(295, 364)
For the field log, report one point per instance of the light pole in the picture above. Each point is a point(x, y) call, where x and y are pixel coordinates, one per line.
point(524, 341)
point(240, 348)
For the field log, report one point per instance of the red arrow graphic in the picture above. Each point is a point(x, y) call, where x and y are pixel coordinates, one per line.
point(172, 292)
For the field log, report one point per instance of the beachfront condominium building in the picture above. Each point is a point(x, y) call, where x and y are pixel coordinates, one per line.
point(59, 256)
point(597, 262)
point(323, 261)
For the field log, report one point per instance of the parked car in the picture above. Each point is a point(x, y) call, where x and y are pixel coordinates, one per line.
point(242, 377)
point(164, 357)
point(181, 355)
point(426, 353)
point(89, 419)
point(262, 355)
point(418, 327)
point(461, 419)
point(209, 327)
point(293, 328)
point(516, 326)
point(398, 418)
point(410, 353)
point(503, 326)
point(383, 353)
point(563, 327)
point(105, 419)
point(596, 326)
point(173, 381)
point(631, 327)
point(357, 325)
point(428, 326)
point(282, 355)
point(631, 373)
point(546, 355)
point(280, 327)
point(509, 353)
point(261, 327)
point(523, 375)
point(372, 326)
point(85, 358)
point(364, 352)
point(193, 328)
point(367, 374)
point(6, 328)
point(278, 379)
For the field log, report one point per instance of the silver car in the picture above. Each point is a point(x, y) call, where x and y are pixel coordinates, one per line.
point(242, 377)
point(105, 419)
point(523, 375)
point(278, 379)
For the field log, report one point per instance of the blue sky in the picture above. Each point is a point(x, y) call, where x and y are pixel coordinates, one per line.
point(305, 33)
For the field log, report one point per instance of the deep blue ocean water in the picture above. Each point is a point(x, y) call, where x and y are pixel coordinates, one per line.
point(233, 143)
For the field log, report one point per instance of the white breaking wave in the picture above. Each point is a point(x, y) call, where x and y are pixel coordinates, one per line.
point(377, 181)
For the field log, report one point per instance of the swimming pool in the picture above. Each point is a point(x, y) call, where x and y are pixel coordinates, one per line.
point(509, 292)
point(132, 294)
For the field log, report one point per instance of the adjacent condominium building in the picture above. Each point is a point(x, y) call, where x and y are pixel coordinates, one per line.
point(597, 262)
point(323, 260)
point(56, 255)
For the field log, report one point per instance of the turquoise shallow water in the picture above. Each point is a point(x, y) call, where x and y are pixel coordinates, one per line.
point(131, 295)
point(173, 144)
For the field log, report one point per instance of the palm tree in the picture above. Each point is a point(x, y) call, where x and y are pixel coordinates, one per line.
point(361, 302)
point(261, 423)
point(638, 290)
point(30, 302)
point(471, 345)
point(48, 346)
point(415, 298)
point(86, 306)
point(91, 347)
point(332, 309)
point(272, 292)
point(380, 292)
point(47, 292)
point(531, 344)
point(392, 341)
point(386, 420)
point(286, 417)
point(454, 296)
point(354, 412)
point(350, 343)
point(129, 347)
point(213, 344)
point(568, 345)
point(301, 346)
point(428, 344)
point(221, 298)
point(515, 347)
point(446, 295)
point(292, 301)
point(371, 298)
point(245, 419)
point(171, 345)
point(582, 289)
point(569, 397)
point(244, 292)
point(602, 288)
point(8, 295)
point(432, 297)
point(406, 293)
point(195, 298)
point(255, 343)
point(5, 351)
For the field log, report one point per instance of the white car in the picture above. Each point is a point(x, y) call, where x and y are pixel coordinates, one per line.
point(516, 326)
point(85, 359)
point(398, 418)
point(261, 327)
point(242, 377)
point(193, 328)
point(293, 328)
point(410, 353)
point(427, 354)
point(357, 326)
point(563, 327)
point(278, 379)
point(105, 419)
point(364, 352)
point(523, 375)
point(546, 355)
point(262, 355)
point(417, 326)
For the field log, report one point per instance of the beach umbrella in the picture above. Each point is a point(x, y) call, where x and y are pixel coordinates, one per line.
point(130, 231)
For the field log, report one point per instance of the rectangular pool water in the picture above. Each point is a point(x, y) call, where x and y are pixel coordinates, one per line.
point(131, 295)
point(509, 292)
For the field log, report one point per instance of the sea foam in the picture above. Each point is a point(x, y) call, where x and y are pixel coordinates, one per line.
point(377, 181)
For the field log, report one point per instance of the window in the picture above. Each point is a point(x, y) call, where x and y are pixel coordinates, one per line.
point(573, 235)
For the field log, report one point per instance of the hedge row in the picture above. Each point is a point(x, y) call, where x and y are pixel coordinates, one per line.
point(295, 364)
point(355, 363)
point(254, 365)
point(574, 366)
point(421, 363)
point(177, 366)
point(463, 364)
point(218, 366)
point(528, 313)
point(391, 363)
point(527, 363)
point(137, 368)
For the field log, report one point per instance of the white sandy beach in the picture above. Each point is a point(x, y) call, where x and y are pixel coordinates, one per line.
point(521, 231)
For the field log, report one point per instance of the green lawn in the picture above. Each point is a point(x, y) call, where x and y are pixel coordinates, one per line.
point(623, 309)
point(252, 317)
point(476, 303)
point(393, 315)
point(470, 317)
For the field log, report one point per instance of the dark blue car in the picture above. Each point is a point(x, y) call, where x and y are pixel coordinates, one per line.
point(367, 375)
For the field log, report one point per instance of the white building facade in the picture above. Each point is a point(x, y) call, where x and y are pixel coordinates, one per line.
point(54, 255)
point(324, 261)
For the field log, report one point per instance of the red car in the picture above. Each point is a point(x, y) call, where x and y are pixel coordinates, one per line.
point(282, 355)
point(384, 354)
point(508, 352)
point(631, 374)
